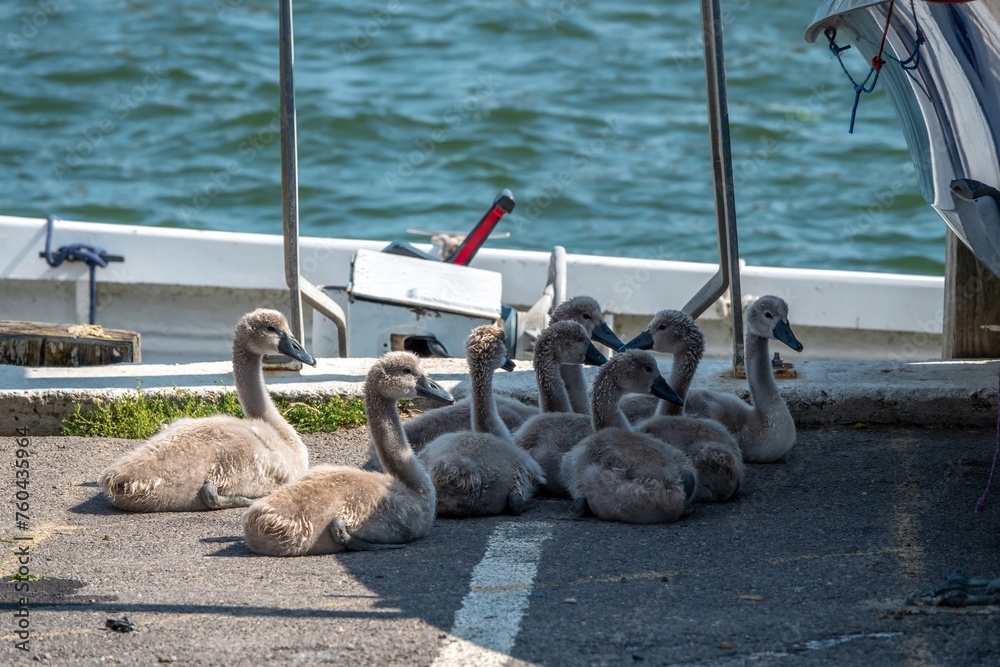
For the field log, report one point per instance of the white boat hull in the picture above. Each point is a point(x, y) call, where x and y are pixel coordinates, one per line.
point(183, 290)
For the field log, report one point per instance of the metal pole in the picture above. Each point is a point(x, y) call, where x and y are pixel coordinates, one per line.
point(290, 166)
point(722, 166)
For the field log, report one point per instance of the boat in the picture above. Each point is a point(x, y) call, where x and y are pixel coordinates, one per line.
point(182, 290)
point(941, 60)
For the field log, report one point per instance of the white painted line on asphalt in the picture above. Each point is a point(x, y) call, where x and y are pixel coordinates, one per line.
point(487, 624)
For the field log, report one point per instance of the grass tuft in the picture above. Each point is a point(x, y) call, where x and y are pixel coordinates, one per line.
point(323, 416)
point(137, 415)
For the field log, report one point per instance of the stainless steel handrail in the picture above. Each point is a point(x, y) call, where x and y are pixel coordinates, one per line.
point(728, 275)
point(299, 287)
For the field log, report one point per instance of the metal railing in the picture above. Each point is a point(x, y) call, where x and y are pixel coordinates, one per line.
point(299, 287)
point(728, 275)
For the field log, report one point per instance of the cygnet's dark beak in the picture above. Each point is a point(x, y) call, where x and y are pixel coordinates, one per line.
point(643, 341)
point(783, 332)
point(437, 348)
point(289, 346)
point(594, 357)
point(662, 390)
point(605, 336)
point(431, 389)
point(508, 365)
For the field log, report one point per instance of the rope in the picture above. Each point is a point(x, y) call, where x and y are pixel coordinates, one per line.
point(913, 61)
point(957, 591)
point(877, 61)
point(910, 63)
point(92, 256)
point(981, 503)
point(859, 88)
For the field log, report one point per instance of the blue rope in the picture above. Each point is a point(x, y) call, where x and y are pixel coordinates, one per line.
point(910, 63)
point(913, 62)
point(859, 88)
point(77, 252)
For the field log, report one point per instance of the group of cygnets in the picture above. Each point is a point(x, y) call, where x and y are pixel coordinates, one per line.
point(645, 457)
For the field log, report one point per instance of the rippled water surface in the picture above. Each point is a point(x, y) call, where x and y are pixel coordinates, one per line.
point(416, 114)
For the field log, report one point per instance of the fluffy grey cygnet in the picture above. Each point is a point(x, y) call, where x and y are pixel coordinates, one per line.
point(222, 461)
point(764, 430)
point(585, 311)
point(713, 449)
point(620, 474)
point(548, 436)
point(331, 509)
point(482, 472)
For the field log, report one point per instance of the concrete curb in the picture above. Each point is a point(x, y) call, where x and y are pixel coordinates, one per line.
point(938, 393)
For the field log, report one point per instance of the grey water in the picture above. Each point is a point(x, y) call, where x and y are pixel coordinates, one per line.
point(414, 115)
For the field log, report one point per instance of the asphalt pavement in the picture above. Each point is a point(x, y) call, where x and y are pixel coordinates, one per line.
point(811, 565)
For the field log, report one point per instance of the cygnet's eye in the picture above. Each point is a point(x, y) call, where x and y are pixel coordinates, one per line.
point(661, 327)
point(407, 371)
point(586, 316)
point(767, 315)
point(649, 369)
point(272, 329)
point(581, 339)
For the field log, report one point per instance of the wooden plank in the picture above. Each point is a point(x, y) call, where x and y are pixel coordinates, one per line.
point(971, 305)
point(44, 344)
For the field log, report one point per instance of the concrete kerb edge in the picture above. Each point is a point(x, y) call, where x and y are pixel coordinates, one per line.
point(826, 393)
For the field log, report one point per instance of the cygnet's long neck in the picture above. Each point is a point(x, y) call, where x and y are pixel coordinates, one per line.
point(485, 418)
point(763, 388)
point(605, 396)
point(552, 394)
point(386, 431)
point(248, 374)
point(681, 374)
point(576, 387)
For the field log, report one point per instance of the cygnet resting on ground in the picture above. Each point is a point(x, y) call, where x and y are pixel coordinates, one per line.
point(336, 508)
point(482, 472)
point(221, 461)
point(548, 436)
point(617, 473)
point(764, 430)
point(713, 449)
